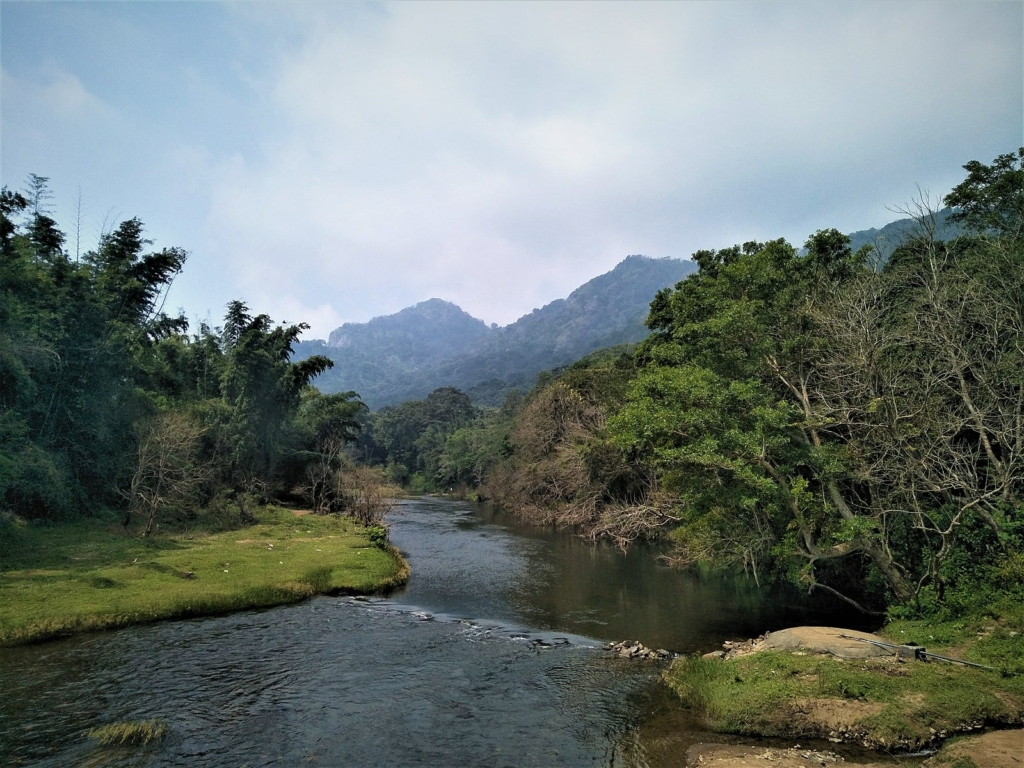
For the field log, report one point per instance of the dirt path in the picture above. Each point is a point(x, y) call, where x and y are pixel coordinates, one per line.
point(998, 749)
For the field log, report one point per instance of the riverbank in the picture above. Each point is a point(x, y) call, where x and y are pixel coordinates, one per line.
point(881, 702)
point(91, 575)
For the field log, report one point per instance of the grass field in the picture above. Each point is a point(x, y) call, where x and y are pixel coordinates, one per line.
point(93, 575)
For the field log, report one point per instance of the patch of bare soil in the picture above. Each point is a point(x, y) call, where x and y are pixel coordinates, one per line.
point(996, 749)
point(732, 756)
point(835, 717)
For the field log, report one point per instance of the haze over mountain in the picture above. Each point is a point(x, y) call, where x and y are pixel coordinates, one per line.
point(435, 343)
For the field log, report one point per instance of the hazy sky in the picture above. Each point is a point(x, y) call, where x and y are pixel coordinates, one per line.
point(336, 161)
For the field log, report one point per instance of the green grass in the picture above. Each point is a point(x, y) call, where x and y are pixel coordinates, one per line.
point(92, 575)
point(881, 703)
point(133, 733)
point(992, 635)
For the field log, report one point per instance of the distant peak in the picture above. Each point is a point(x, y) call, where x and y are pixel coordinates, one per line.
point(436, 308)
point(435, 302)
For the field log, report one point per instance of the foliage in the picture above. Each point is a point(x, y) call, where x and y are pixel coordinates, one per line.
point(106, 401)
point(76, 339)
point(991, 199)
point(411, 437)
point(561, 468)
point(855, 430)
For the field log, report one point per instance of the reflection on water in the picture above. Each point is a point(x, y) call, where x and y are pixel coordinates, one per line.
point(556, 581)
point(485, 659)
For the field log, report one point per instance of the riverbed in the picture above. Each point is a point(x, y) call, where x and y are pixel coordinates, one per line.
point(491, 656)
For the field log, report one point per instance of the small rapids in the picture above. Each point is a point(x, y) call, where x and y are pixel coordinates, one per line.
point(492, 656)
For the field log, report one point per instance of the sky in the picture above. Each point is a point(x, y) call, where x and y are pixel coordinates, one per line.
point(333, 162)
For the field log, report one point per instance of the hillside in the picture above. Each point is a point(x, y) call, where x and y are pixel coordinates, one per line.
point(406, 355)
point(892, 234)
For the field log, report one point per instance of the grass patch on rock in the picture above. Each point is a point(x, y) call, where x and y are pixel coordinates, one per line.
point(92, 575)
point(880, 703)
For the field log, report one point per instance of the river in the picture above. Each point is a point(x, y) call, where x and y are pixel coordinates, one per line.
point(491, 656)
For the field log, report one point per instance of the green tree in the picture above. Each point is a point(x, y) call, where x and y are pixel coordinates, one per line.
point(262, 387)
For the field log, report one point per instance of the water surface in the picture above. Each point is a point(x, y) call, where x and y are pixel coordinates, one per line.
point(490, 657)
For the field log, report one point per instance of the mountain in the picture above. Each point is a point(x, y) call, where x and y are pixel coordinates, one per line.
point(432, 330)
point(390, 351)
point(407, 355)
point(893, 234)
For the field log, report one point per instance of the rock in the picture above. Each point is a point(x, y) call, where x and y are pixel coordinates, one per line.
point(714, 655)
point(636, 650)
point(841, 643)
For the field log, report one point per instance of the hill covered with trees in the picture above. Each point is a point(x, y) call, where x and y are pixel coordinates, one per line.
point(802, 414)
point(435, 344)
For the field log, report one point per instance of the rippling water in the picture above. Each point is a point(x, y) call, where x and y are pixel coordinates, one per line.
point(490, 657)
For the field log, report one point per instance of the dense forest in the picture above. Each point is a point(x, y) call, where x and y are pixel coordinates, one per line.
point(847, 422)
point(108, 403)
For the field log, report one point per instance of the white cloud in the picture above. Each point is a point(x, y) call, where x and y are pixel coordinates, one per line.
point(499, 154)
point(65, 96)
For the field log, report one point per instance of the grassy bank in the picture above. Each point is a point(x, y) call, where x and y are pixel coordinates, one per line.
point(880, 703)
point(92, 575)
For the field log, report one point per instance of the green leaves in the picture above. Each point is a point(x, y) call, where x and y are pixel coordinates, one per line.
point(991, 199)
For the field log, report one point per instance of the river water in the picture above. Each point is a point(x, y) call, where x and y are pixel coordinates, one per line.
point(491, 656)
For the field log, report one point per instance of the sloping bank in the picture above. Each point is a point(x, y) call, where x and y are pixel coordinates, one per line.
point(90, 575)
point(820, 684)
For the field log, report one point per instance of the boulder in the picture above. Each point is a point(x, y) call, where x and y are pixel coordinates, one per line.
point(842, 643)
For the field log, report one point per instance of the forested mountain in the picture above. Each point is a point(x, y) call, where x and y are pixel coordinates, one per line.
point(804, 414)
point(435, 343)
point(406, 355)
point(389, 352)
point(895, 233)
point(430, 331)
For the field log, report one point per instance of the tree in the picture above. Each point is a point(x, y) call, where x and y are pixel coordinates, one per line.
point(261, 386)
point(168, 472)
point(850, 428)
point(720, 409)
point(991, 199)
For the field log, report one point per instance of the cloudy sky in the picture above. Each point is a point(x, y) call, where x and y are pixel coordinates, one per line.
point(336, 161)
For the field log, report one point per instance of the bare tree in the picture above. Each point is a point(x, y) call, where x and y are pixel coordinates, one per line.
point(919, 380)
point(370, 497)
point(78, 225)
point(336, 485)
point(167, 472)
point(325, 489)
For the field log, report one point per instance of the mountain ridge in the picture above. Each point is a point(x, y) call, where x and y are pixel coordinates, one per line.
point(435, 343)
